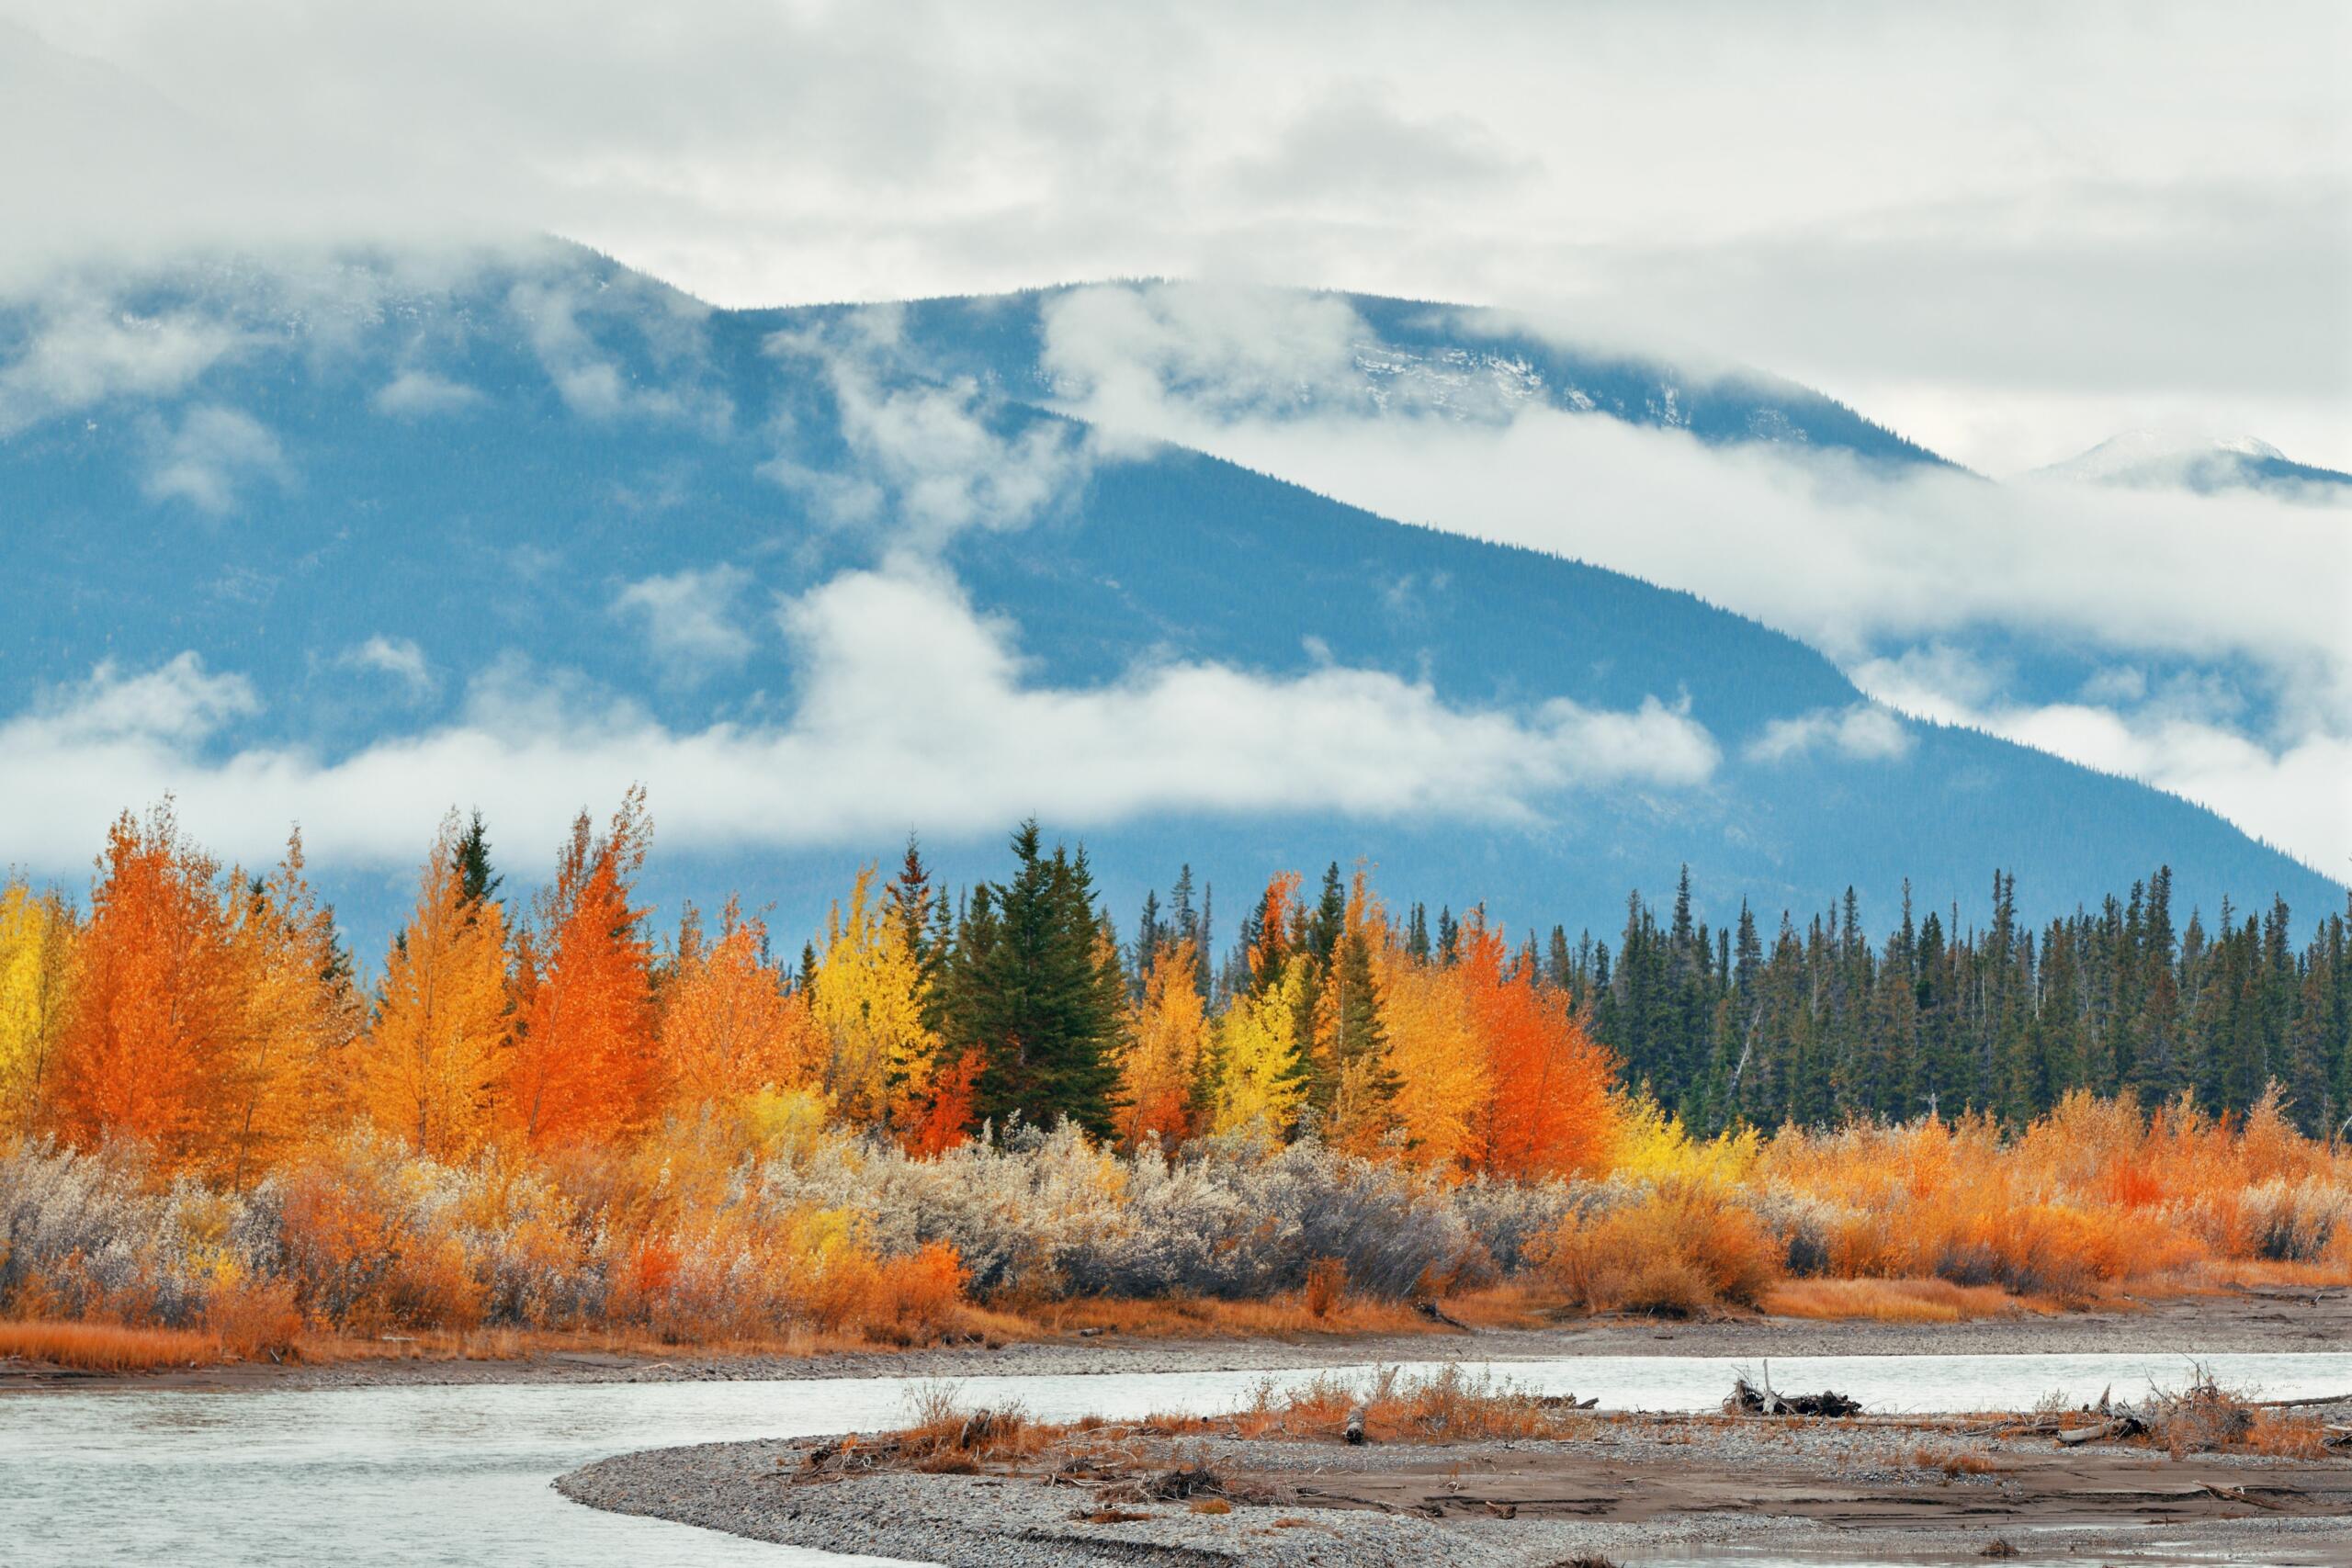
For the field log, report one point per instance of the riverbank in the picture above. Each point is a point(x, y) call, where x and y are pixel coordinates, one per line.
point(2267, 1319)
point(1596, 1486)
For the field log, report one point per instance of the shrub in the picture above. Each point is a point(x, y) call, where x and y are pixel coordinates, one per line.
point(1683, 1248)
point(1327, 1278)
point(254, 1318)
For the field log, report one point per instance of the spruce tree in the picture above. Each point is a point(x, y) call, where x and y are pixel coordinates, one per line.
point(1037, 988)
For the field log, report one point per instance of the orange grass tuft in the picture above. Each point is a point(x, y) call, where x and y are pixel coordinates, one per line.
point(109, 1347)
point(1893, 1301)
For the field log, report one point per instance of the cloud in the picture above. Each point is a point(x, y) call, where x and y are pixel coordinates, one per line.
point(1964, 219)
point(1355, 144)
point(1932, 586)
point(208, 457)
point(176, 703)
point(928, 461)
point(397, 657)
point(81, 349)
point(689, 618)
point(417, 394)
point(936, 724)
point(1145, 358)
point(557, 311)
point(1861, 733)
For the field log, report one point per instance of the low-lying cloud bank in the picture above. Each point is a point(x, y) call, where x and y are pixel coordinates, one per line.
point(1869, 567)
point(913, 711)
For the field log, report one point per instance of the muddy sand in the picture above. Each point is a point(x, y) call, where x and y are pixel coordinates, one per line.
point(1627, 1489)
point(2264, 1320)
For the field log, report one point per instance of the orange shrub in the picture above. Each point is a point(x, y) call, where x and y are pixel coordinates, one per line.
point(253, 1318)
point(1684, 1248)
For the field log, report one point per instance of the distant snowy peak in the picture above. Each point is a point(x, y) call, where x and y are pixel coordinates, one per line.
point(2157, 459)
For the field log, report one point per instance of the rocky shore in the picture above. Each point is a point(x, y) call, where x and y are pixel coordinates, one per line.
point(1620, 1489)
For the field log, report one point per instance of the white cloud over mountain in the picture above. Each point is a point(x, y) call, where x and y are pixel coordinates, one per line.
point(913, 709)
point(1896, 576)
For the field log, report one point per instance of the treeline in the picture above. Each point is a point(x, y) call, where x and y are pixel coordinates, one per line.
point(214, 1017)
point(1817, 1023)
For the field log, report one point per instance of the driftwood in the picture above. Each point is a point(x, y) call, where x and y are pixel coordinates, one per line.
point(1747, 1399)
point(1352, 1428)
point(2113, 1430)
point(1437, 1314)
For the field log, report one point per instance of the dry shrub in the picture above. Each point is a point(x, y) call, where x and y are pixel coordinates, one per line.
point(253, 1318)
point(1445, 1406)
point(1211, 1505)
point(1684, 1248)
point(1327, 1278)
point(2200, 1419)
point(1954, 1461)
point(107, 1346)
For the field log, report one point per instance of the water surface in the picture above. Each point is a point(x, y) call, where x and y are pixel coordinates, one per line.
point(458, 1475)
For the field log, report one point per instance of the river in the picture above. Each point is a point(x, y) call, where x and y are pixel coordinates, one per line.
point(458, 1475)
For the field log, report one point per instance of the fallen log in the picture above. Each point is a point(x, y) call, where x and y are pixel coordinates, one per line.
point(2110, 1430)
point(1437, 1314)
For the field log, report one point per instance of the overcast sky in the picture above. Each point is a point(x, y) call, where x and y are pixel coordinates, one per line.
point(2008, 230)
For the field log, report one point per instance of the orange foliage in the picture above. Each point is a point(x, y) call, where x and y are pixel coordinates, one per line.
point(1548, 1109)
point(427, 1071)
point(1684, 1248)
point(728, 1027)
point(945, 1119)
point(159, 1022)
point(584, 1066)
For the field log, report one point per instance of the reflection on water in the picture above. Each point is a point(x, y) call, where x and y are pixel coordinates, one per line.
point(361, 1477)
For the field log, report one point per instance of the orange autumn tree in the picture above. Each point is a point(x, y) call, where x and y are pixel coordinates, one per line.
point(427, 1071)
point(729, 1026)
point(1160, 1075)
point(582, 1067)
point(300, 1010)
point(1548, 1110)
point(158, 1013)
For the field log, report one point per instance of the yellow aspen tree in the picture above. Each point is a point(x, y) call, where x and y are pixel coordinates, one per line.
point(1443, 1083)
point(36, 935)
point(1167, 1036)
point(868, 1009)
point(1261, 1080)
point(428, 1070)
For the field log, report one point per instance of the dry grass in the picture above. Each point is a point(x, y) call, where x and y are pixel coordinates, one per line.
point(1290, 1316)
point(1895, 1300)
point(109, 1347)
point(1954, 1461)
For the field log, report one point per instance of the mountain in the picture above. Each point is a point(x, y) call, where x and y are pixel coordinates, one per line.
point(528, 510)
point(2149, 460)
